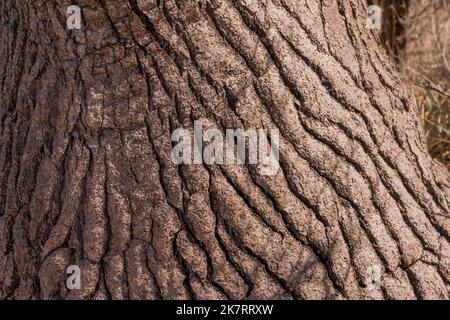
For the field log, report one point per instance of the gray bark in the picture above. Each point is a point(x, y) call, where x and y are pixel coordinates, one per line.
point(86, 176)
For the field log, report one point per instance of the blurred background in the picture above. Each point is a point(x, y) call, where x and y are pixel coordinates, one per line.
point(416, 34)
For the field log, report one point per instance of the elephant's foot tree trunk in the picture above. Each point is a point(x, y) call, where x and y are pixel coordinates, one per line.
point(86, 176)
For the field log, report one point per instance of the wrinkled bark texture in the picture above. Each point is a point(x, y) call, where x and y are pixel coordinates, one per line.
point(86, 176)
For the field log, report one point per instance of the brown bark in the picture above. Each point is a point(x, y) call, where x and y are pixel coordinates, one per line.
point(86, 176)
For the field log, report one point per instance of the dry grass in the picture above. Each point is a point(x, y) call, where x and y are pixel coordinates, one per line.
point(435, 115)
point(416, 33)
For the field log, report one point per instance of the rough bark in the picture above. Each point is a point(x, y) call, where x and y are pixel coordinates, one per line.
point(86, 176)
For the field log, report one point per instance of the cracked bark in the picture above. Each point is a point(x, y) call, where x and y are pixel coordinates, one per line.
point(86, 176)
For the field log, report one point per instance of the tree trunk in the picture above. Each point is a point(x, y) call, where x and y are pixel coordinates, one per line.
point(86, 176)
